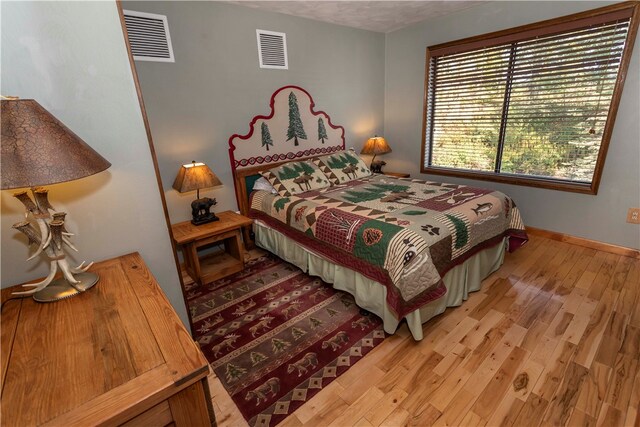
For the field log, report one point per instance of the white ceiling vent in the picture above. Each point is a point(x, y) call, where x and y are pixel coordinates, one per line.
point(148, 36)
point(272, 49)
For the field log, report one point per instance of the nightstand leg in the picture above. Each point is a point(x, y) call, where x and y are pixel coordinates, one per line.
point(248, 242)
point(234, 247)
point(191, 253)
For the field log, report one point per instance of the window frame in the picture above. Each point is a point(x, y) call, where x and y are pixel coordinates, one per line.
point(529, 31)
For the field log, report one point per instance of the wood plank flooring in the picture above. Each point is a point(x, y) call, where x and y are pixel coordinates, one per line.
point(553, 338)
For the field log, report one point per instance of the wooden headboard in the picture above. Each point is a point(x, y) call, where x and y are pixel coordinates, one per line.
point(293, 130)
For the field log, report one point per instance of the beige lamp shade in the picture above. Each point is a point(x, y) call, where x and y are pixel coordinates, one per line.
point(38, 149)
point(195, 176)
point(376, 145)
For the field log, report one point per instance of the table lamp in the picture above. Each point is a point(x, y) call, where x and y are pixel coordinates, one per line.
point(37, 150)
point(376, 145)
point(194, 176)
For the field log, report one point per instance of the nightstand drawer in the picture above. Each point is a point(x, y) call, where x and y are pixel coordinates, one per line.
point(217, 238)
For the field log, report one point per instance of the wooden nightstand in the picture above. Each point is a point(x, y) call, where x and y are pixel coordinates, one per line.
point(397, 174)
point(115, 354)
point(227, 230)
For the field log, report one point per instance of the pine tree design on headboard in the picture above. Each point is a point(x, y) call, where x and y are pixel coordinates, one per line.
point(291, 116)
point(266, 136)
point(322, 132)
point(296, 130)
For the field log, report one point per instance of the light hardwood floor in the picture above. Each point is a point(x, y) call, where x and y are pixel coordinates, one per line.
point(553, 338)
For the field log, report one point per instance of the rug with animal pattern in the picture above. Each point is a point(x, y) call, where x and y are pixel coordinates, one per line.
point(276, 336)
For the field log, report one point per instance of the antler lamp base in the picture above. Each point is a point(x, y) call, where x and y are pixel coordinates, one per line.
point(61, 289)
point(52, 238)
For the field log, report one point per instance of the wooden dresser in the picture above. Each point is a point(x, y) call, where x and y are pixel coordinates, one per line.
point(117, 354)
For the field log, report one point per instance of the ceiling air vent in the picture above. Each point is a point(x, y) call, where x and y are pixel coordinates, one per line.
point(148, 36)
point(272, 49)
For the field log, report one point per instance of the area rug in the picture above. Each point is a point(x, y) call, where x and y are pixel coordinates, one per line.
point(276, 336)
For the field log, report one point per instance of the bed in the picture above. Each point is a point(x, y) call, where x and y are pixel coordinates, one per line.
point(404, 248)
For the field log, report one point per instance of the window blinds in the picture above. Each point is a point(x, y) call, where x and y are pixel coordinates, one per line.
point(533, 103)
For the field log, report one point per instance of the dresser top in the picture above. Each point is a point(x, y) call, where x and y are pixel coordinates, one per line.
point(100, 353)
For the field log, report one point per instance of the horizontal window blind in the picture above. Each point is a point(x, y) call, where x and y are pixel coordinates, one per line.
point(467, 98)
point(534, 107)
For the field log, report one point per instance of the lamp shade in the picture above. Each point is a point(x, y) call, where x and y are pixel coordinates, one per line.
point(38, 149)
point(376, 145)
point(195, 176)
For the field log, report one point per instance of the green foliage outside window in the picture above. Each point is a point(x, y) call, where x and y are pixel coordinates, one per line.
point(536, 107)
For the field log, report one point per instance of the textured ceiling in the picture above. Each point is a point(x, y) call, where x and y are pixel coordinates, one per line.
point(380, 16)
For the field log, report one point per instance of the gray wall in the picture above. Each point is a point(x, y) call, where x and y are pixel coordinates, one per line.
point(71, 58)
point(216, 87)
point(600, 217)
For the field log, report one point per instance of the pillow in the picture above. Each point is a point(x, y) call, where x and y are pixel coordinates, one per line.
point(296, 177)
point(343, 166)
point(262, 184)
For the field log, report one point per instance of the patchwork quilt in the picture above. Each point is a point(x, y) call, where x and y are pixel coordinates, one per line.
point(403, 233)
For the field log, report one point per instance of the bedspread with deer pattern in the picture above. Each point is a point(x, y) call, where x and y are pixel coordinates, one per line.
point(404, 233)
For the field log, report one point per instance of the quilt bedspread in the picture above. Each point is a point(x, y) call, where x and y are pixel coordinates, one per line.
point(403, 233)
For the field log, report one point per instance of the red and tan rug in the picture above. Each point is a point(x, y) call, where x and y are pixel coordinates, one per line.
point(276, 336)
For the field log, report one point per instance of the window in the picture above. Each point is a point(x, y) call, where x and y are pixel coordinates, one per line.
point(534, 105)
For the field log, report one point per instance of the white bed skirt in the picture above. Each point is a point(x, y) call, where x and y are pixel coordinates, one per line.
point(371, 295)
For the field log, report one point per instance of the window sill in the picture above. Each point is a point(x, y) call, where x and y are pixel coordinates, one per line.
point(551, 184)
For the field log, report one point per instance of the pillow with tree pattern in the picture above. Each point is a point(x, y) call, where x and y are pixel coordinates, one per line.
point(296, 177)
point(343, 166)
